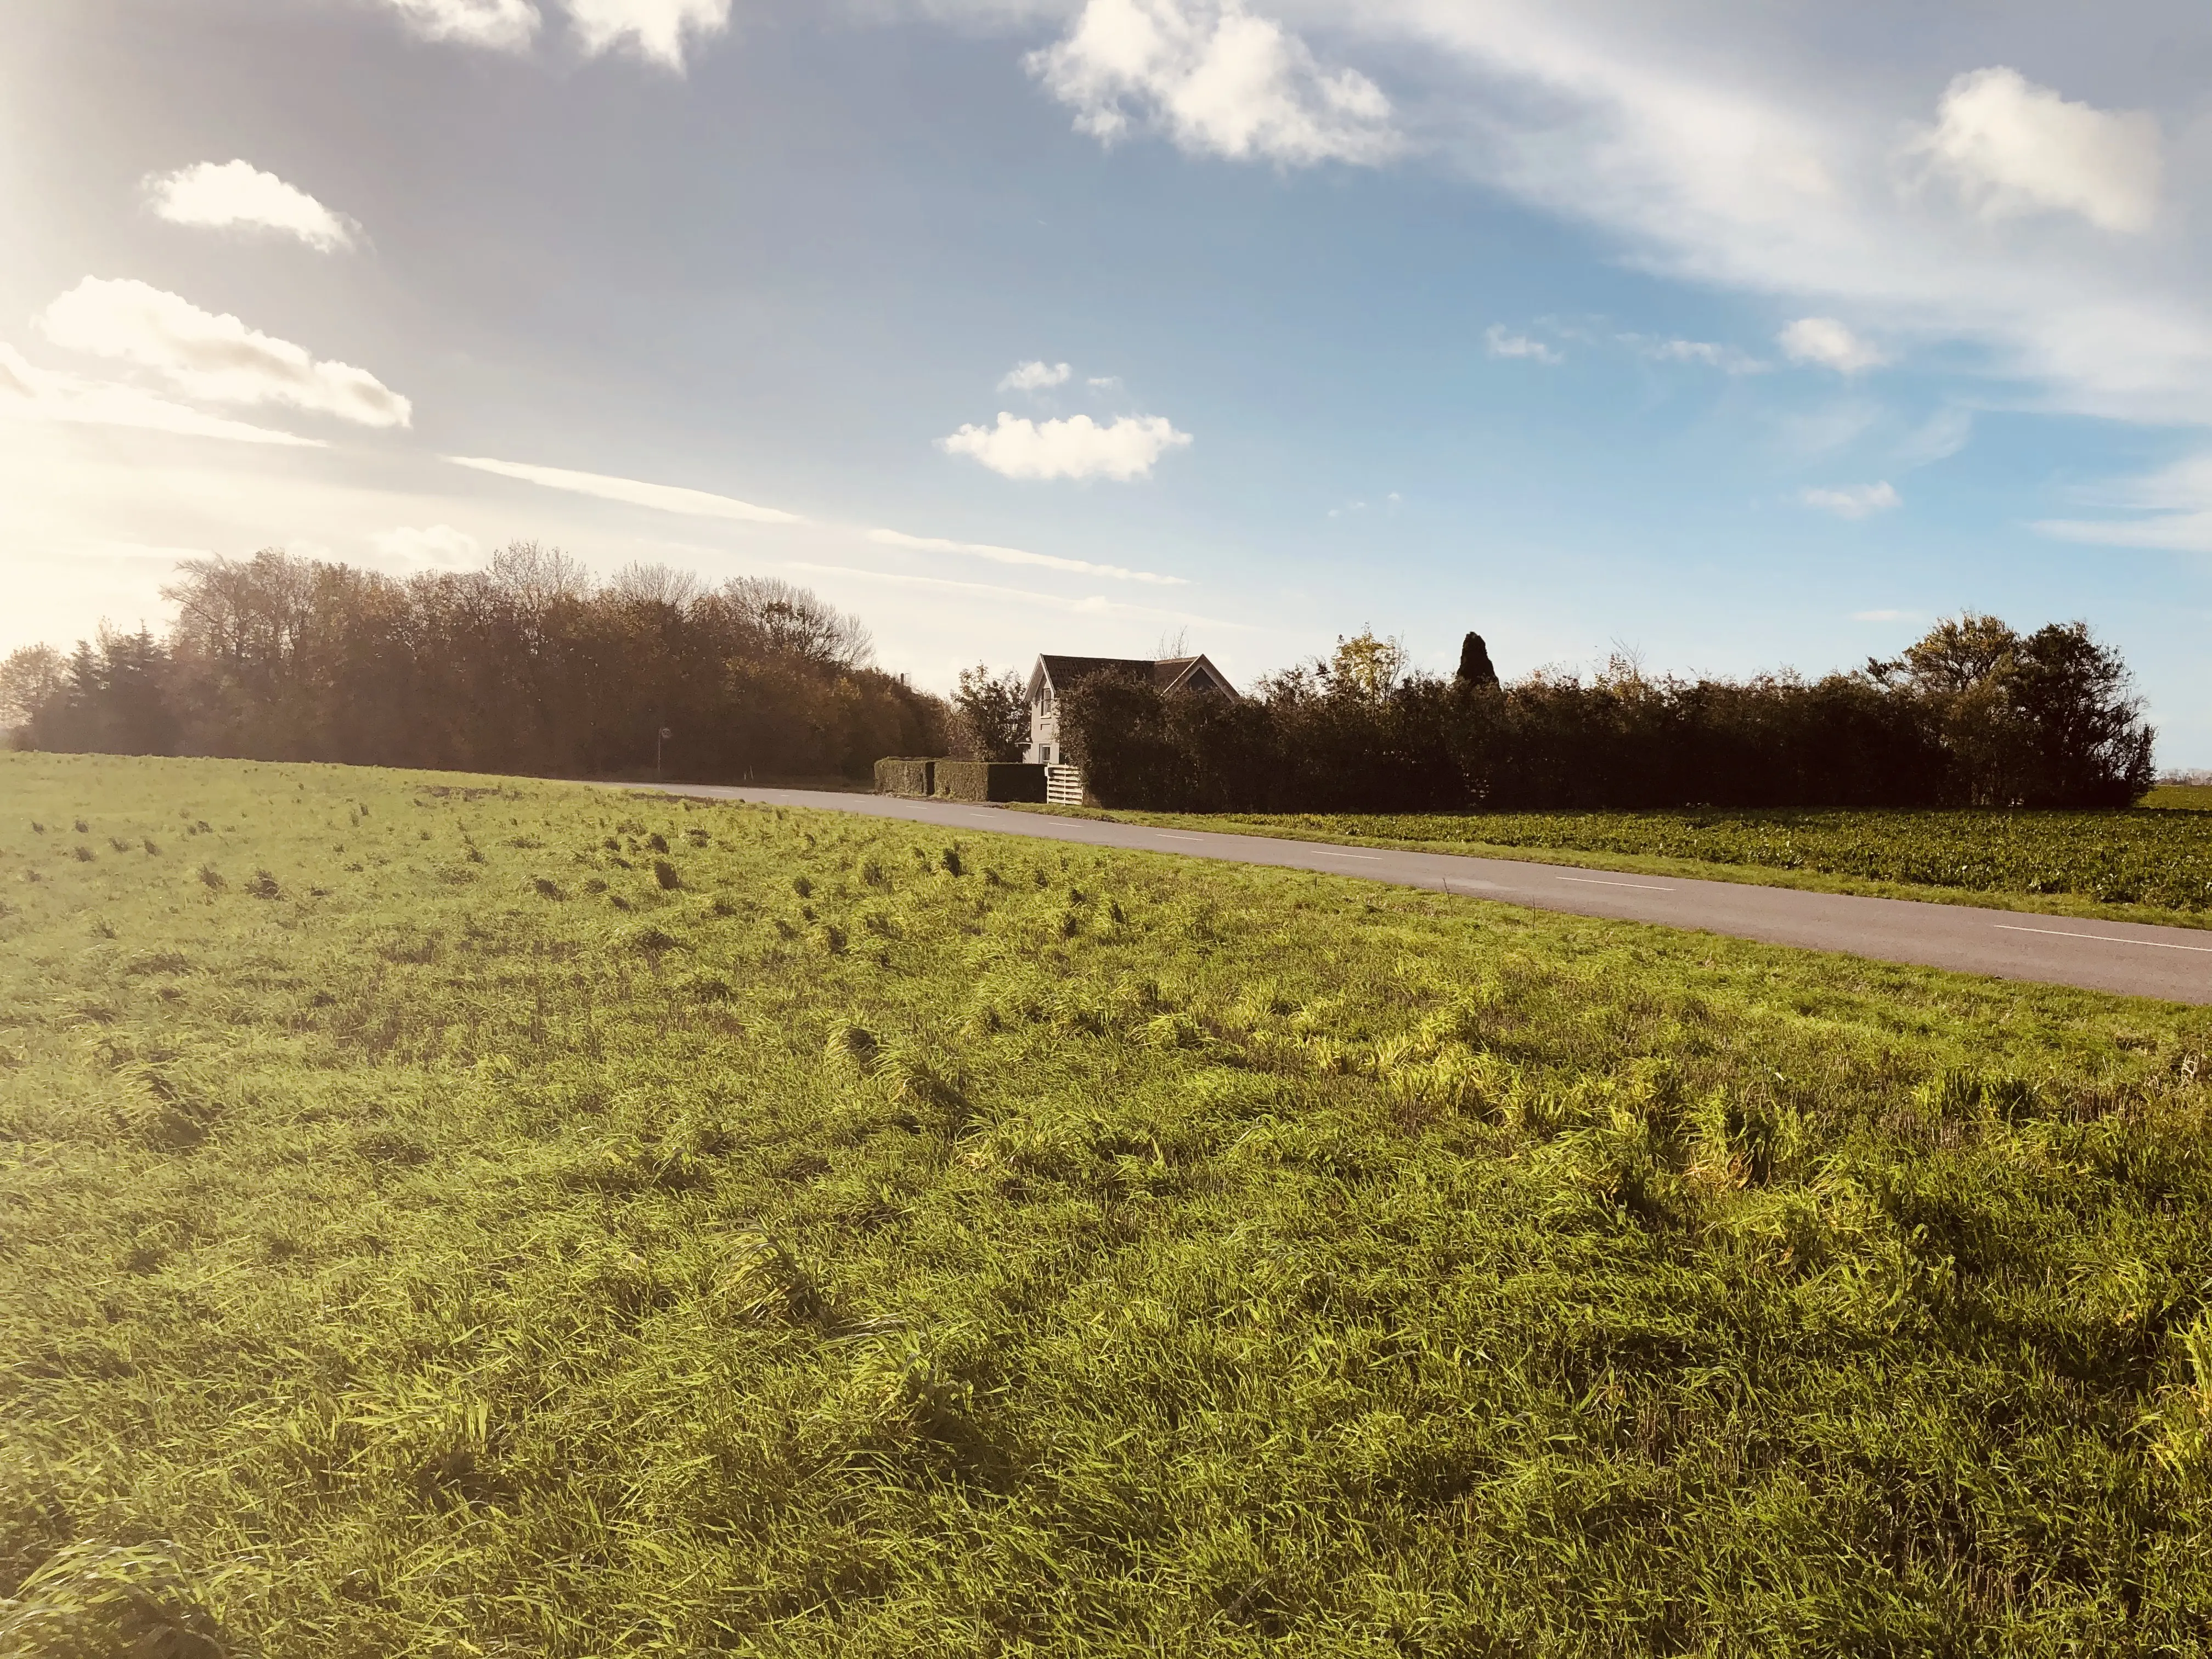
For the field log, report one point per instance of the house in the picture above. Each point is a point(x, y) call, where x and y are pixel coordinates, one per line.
point(1052, 676)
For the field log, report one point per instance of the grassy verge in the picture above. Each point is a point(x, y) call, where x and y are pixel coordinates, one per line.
point(2185, 797)
point(441, 1217)
point(2147, 865)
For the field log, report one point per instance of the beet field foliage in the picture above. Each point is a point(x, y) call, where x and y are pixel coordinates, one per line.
point(452, 1216)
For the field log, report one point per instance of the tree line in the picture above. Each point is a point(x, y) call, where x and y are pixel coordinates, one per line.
point(1974, 715)
point(530, 665)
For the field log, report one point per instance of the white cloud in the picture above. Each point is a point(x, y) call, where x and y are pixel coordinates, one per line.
point(667, 498)
point(656, 30)
point(1943, 436)
point(1855, 501)
point(1218, 80)
point(35, 394)
point(238, 193)
point(1725, 358)
point(1017, 556)
point(2012, 148)
point(1502, 342)
point(1097, 604)
point(1104, 383)
point(1825, 342)
point(1036, 376)
point(216, 357)
point(1074, 448)
point(504, 24)
point(440, 545)
point(2174, 505)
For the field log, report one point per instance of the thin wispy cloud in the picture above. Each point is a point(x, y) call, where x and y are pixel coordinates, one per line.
point(1502, 342)
point(1727, 359)
point(237, 195)
point(1854, 500)
point(705, 504)
point(2169, 509)
point(438, 545)
point(1019, 555)
point(1097, 604)
point(1077, 447)
point(666, 498)
point(212, 356)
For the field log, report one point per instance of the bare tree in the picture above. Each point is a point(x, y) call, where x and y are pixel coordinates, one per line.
point(793, 621)
point(655, 584)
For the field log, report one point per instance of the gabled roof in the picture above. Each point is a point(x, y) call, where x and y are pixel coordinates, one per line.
point(1168, 674)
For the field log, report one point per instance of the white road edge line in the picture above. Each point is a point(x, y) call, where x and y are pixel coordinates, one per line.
point(1641, 887)
point(2104, 939)
point(1169, 835)
point(1318, 854)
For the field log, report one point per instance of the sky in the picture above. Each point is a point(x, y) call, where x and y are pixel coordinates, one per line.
point(1735, 337)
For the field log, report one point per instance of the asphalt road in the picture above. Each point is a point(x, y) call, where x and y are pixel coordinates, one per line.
point(2174, 963)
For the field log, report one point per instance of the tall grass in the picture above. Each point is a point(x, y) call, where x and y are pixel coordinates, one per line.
point(427, 1228)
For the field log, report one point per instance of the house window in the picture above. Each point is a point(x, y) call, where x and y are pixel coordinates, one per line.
point(1044, 754)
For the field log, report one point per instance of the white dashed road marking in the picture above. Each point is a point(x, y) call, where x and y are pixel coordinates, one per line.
point(2104, 939)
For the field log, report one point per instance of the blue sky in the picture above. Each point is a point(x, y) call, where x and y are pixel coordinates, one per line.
point(1735, 336)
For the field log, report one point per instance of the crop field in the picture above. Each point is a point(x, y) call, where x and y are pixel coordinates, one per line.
point(450, 1216)
point(2152, 859)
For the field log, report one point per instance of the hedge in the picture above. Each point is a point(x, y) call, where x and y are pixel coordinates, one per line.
point(960, 780)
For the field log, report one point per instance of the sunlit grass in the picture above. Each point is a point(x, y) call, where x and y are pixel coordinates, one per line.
point(2147, 865)
point(454, 1216)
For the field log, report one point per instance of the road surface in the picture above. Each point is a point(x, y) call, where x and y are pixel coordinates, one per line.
point(2173, 963)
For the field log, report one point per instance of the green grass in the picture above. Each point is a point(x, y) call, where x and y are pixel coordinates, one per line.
point(2142, 865)
point(426, 1228)
point(2186, 797)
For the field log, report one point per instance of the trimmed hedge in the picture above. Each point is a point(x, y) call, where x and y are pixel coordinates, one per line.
point(960, 780)
point(1003, 781)
point(899, 775)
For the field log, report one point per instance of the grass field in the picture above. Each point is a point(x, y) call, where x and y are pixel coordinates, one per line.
point(2186, 797)
point(2146, 865)
point(449, 1216)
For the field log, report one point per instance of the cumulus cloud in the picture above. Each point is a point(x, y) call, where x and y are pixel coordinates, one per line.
point(2011, 147)
point(1017, 556)
point(37, 394)
point(507, 25)
point(1853, 501)
point(440, 544)
point(212, 356)
point(1035, 376)
point(239, 194)
point(1074, 448)
point(1218, 80)
point(1502, 342)
point(667, 498)
point(658, 30)
point(1826, 344)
